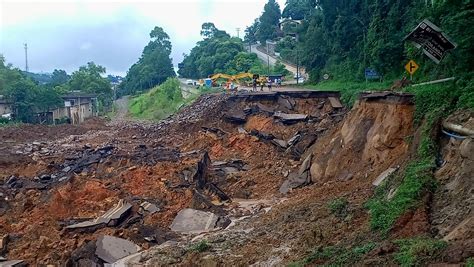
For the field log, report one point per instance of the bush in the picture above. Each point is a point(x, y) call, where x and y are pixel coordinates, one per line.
point(416, 251)
point(338, 207)
point(200, 246)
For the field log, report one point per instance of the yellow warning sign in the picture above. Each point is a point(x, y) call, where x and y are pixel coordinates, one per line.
point(411, 67)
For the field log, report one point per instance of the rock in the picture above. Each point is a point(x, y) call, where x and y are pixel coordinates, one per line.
point(316, 172)
point(383, 176)
point(461, 231)
point(66, 169)
point(301, 178)
point(241, 130)
point(305, 165)
point(111, 249)
point(194, 221)
point(3, 244)
point(45, 177)
point(467, 148)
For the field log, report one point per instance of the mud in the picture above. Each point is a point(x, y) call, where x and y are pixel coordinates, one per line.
point(85, 170)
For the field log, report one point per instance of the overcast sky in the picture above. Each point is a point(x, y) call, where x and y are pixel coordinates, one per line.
point(65, 34)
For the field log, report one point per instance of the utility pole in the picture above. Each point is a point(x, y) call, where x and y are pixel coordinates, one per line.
point(26, 57)
point(297, 67)
point(268, 59)
point(238, 32)
point(297, 62)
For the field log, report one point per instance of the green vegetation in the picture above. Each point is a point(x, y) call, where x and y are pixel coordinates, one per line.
point(416, 251)
point(350, 90)
point(470, 262)
point(153, 67)
point(268, 27)
point(339, 207)
point(336, 256)
point(158, 103)
point(29, 97)
point(220, 53)
point(200, 247)
point(342, 38)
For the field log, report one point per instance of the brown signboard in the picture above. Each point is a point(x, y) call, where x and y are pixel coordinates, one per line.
point(431, 39)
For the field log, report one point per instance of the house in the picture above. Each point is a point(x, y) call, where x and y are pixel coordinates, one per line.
point(5, 106)
point(77, 107)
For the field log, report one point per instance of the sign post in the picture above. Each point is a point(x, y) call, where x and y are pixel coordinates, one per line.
point(432, 40)
point(411, 67)
point(371, 74)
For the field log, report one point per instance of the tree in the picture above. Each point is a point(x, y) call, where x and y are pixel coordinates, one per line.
point(89, 79)
point(59, 77)
point(251, 32)
point(298, 9)
point(214, 54)
point(268, 29)
point(153, 67)
point(26, 95)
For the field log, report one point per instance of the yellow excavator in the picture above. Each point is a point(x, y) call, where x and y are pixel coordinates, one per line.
point(237, 78)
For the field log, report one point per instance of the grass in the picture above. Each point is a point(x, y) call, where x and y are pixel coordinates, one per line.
point(158, 103)
point(417, 180)
point(350, 90)
point(200, 247)
point(433, 102)
point(417, 251)
point(470, 262)
point(336, 256)
point(338, 207)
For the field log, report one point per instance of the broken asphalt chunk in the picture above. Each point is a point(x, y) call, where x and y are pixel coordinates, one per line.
point(236, 117)
point(216, 131)
point(111, 249)
point(262, 135)
point(149, 207)
point(194, 221)
point(264, 109)
point(112, 217)
point(280, 143)
point(286, 102)
point(290, 118)
point(200, 176)
point(335, 103)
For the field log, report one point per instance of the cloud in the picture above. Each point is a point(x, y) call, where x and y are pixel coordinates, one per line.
point(67, 34)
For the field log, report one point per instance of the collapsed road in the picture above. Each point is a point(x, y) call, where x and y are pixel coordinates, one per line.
point(246, 173)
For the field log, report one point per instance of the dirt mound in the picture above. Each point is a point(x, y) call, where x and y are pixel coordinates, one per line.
point(454, 198)
point(373, 138)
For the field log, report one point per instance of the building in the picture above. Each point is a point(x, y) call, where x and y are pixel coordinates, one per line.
point(77, 107)
point(5, 106)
